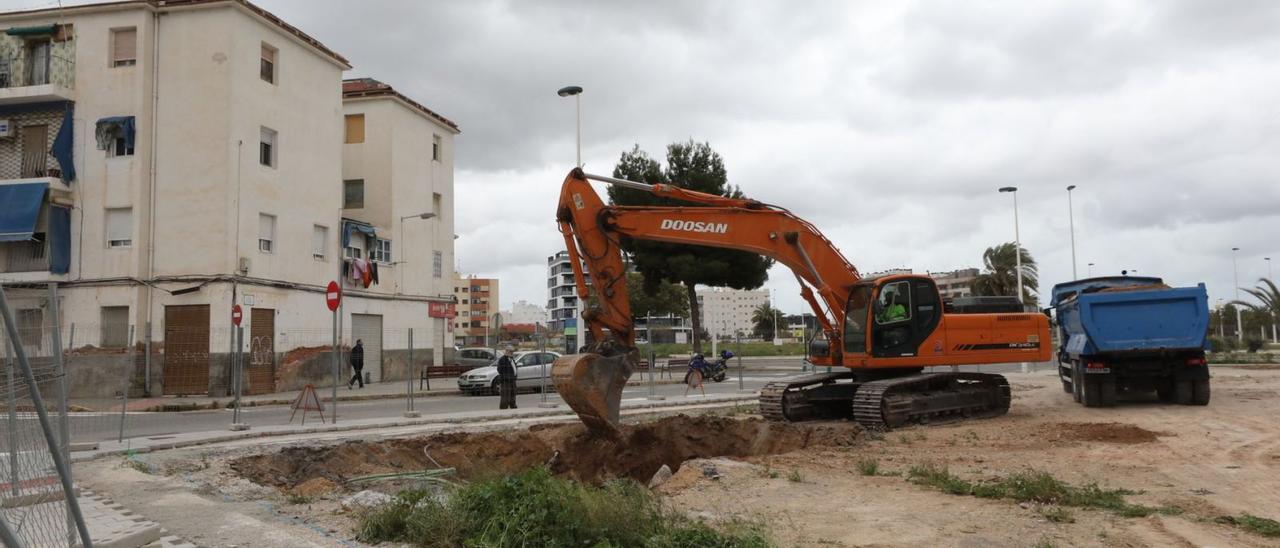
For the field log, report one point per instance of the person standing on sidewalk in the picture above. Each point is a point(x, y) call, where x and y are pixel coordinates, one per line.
point(357, 364)
point(506, 380)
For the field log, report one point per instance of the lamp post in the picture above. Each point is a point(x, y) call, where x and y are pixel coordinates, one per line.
point(403, 248)
point(1090, 270)
point(1071, 219)
point(576, 93)
point(1017, 239)
point(1235, 277)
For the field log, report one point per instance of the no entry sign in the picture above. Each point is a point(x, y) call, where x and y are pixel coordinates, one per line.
point(333, 295)
point(236, 314)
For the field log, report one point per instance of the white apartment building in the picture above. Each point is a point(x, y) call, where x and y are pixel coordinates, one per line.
point(185, 156)
point(726, 312)
point(957, 283)
point(562, 297)
point(525, 312)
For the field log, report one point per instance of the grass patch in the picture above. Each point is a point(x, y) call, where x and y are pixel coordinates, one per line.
point(534, 508)
point(795, 476)
point(1253, 524)
point(294, 498)
point(868, 467)
point(1057, 514)
point(1033, 486)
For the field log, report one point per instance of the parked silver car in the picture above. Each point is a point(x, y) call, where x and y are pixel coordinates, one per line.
point(473, 357)
point(529, 371)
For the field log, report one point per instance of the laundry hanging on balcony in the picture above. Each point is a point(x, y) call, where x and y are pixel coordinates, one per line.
point(63, 143)
point(19, 209)
point(114, 127)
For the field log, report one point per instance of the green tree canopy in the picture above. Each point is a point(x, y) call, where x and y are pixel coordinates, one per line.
point(999, 275)
point(695, 166)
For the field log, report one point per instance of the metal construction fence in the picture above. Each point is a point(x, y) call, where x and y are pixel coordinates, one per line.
point(38, 506)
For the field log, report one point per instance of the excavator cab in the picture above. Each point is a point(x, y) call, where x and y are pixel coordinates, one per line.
point(891, 316)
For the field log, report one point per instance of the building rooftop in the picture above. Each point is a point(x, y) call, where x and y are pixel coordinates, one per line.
point(167, 5)
point(361, 88)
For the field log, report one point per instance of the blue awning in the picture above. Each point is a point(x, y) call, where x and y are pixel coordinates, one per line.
point(19, 209)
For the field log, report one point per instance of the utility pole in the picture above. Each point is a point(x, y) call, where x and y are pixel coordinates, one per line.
point(1235, 273)
point(1017, 240)
point(1071, 218)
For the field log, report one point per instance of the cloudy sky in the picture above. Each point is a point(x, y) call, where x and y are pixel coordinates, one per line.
point(889, 125)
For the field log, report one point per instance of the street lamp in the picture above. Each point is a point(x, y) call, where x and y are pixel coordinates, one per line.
point(1090, 270)
point(1017, 239)
point(1071, 218)
point(1235, 276)
point(403, 248)
point(576, 93)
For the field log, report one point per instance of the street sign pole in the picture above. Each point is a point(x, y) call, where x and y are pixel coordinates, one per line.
point(332, 299)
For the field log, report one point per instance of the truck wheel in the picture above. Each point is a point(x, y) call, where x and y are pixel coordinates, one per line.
point(1200, 392)
point(1076, 387)
point(1183, 392)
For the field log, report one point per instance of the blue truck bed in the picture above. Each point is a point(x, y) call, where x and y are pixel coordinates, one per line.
point(1132, 333)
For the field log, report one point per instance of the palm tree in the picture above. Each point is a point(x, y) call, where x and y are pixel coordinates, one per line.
point(999, 276)
point(763, 318)
point(1268, 299)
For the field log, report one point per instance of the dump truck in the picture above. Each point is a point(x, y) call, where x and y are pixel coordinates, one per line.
point(1128, 335)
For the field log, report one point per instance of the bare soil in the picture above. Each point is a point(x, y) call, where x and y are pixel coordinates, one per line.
point(566, 449)
point(802, 481)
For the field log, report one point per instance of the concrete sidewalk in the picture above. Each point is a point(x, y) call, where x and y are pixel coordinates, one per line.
point(146, 444)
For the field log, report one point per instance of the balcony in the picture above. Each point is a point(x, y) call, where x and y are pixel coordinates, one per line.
point(34, 77)
point(28, 256)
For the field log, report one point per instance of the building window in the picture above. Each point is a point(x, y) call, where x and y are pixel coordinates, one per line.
point(319, 238)
point(355, 128)
point(266, 233)
point(120, 227)
point(119, 147)
point(381, 251)
point(436, 203)
point(353, 193)
point(124, 47)
point(267, 147)
point(268, 67)
point(435, 147)
point(354, 253)
point(115, 326)
point(437, 266)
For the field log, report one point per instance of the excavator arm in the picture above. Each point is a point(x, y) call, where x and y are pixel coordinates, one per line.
point(592, 381)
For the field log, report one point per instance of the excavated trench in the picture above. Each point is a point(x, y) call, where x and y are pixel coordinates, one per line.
point(568, 450)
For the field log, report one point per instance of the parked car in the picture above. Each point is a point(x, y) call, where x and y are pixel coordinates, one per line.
point(471, 358)
point(529, 371)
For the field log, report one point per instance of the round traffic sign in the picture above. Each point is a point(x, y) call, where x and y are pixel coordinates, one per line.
point(333, 295)
point(236, 314)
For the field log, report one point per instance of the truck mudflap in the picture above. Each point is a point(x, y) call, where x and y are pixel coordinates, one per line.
point(1192, 373)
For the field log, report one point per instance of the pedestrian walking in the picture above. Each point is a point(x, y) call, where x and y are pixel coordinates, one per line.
point(506, 380)
point(357, 364)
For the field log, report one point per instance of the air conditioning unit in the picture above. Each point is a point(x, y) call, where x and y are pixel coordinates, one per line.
point(244, 266)
point(6, 128)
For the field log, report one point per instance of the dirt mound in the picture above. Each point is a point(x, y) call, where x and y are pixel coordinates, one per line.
point(1108, 432)
point(568, 450)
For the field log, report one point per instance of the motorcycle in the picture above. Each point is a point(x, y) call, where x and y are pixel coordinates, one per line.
point(716, 371)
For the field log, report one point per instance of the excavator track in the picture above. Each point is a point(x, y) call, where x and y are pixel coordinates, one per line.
point(786, 401)
point(930, 397)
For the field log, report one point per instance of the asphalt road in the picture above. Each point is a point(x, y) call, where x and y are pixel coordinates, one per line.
point(106, 426)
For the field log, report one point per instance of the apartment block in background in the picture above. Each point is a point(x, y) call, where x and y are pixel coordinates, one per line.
point(478, 317)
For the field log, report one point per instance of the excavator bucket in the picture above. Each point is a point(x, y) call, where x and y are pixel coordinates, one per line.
point(592, 386)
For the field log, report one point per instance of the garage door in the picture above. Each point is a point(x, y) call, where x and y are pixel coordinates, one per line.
point(260, 375)
point(186, 349)
point(368, 328)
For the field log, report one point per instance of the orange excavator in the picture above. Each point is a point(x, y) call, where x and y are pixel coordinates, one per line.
point(879, 332)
